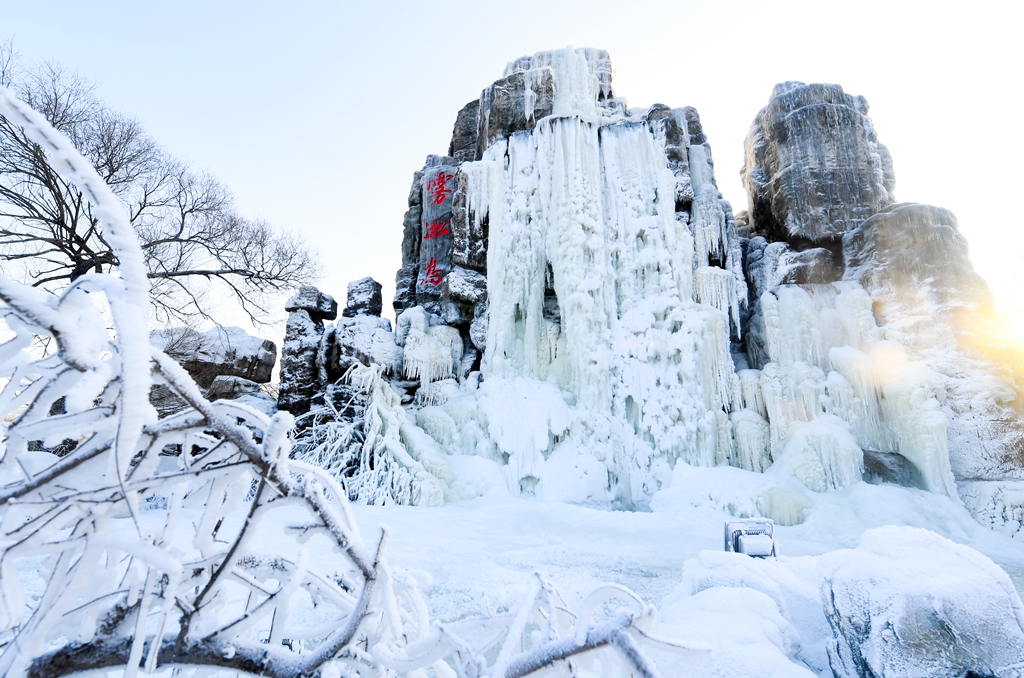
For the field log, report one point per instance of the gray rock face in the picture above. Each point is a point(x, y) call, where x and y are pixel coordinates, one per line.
point(672, 124)
point(513, 104)
point(364, 298)
point(912, 259)
point(469, 232)
point(814, 168)
point(301, 376)
point(320, 306)
point(810, 267)
point(227, 351)
point(466, 133)
point(435, 258)
point(908, 602)
point(229, 388)
point(405, 287)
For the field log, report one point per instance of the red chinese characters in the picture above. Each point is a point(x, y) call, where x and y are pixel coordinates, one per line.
point(433, 275)
point(436, 187)
point(436, 230)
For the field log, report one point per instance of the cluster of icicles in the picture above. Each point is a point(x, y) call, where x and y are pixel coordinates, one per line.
point(635, 374)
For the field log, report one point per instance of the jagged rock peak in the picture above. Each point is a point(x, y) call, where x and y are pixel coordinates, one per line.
point(562, 82)
point(364, 298)
point(814, 168)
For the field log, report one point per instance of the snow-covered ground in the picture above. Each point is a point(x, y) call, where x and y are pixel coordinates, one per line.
point(485, 551)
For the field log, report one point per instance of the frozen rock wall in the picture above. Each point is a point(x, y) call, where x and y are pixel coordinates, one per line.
point(579, 309)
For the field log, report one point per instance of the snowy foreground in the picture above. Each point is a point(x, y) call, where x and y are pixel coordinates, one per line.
point(484, 552)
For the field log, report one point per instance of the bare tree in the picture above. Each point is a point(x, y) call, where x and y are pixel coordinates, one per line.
point(140, 544)
point(189, 231)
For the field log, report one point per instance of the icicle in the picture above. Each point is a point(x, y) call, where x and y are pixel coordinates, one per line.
point(426, 358)
point(437, 392)
point(752, 440)
point(792, 394)
point(855, 396)
point(750, 390)
point(717, 287)
point(715, 362)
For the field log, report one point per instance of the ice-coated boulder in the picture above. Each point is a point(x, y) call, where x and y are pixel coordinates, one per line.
point(744, 628)
point(364, 298)
point(362, 340)
point(241, 391)
point(814, 168)
point(301, 376)
point(908, 603)
point(229, 388)
point(228, 351)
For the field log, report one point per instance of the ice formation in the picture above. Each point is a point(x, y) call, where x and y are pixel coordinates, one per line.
point(579, 306)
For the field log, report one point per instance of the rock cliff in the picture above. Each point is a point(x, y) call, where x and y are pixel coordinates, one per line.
point(578, 306)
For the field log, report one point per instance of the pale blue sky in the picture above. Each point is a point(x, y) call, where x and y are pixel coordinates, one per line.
point(316, 114)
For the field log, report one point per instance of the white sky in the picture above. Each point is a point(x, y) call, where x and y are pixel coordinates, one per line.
point(317, 113)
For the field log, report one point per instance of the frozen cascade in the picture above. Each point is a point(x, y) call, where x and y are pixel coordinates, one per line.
point(584, 204)
point(750, 392)
point(612, 312)
point(829, 363)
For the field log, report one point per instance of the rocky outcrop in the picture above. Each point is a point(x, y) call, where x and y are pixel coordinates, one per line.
point(364, 298)
point(814, 266)
point(241, 391)
point(301, 374)
point(814, 168)
point(227, 351)
point(913, 260)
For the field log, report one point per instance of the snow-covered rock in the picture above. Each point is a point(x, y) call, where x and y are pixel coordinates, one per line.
point(228, 351)
point(908, 603)
point(364, 298)
point(301, 374)
point(747, 633)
